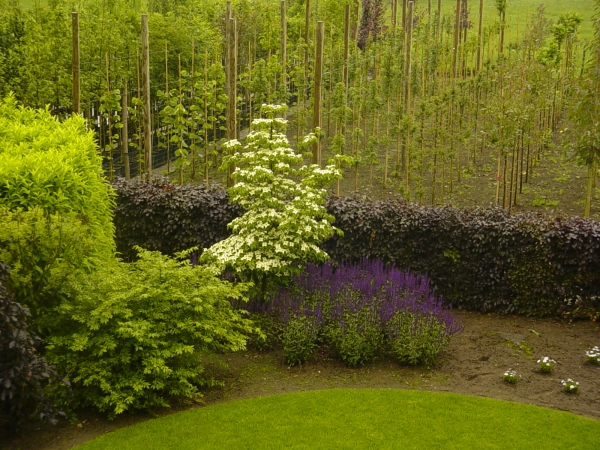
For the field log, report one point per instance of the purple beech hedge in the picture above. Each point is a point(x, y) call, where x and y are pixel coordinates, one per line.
point(477, 259)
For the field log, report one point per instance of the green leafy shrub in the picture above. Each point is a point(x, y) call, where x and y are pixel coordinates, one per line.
point(356, 336)
point(136, 332)
point(47, 252)
point(299, 339)
point(24, 374)
point(53, 166)
point(416, 338)
point(271, 332)
point(55, 205)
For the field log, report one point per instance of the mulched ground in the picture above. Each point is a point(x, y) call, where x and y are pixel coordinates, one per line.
point(472, 364)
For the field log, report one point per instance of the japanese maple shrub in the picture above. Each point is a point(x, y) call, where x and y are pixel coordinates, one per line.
point(284, 200)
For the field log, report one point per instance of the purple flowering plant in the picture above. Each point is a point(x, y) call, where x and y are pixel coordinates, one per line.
point(360, 310)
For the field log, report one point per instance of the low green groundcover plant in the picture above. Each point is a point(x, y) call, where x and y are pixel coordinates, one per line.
point(136, 332)
point(360, 311)
point(363, 418)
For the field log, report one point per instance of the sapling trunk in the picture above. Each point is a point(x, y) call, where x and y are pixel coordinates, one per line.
point(168, 96)
point(443, 182)
point(589, 190)
point(522, 150)
point(528, 168)
point(387, 147)
point(498, 177)
point(407, 87)
point(125, 131)
point(479, 36)
point(504, 182)
point(139, 122)
point(206, 144)
point(512, 175)
point(111, 173)
point(192, 94)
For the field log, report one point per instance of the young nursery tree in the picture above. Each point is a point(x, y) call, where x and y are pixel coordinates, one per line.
point(586, 114)
point(285, 215)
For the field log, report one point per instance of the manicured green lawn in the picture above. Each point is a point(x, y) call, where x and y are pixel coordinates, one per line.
point(365, 418)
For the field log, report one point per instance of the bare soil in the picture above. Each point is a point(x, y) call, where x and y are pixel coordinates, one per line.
point(472, 364)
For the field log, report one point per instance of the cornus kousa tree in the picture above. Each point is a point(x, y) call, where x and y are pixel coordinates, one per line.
point(284, 200)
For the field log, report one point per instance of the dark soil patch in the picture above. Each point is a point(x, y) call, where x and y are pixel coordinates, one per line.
point(472, 364)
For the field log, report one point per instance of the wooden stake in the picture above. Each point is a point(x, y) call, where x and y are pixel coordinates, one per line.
point(408, 64)
point(146, 101)
point(283, 51)
point(111, 167)
point(167, 92)
point(306, 32)
point(125, 131)
point(76, 68)
point(345, 77)
point(227, 33)
point(205, 118)
point(318, 90)
point(439, 24)
point(138, 124)
point(232, 89)
point(479, 35)
point(456, 39)
point(408, 78)
point(193, 59)
point(356, 24)
point(346, 46)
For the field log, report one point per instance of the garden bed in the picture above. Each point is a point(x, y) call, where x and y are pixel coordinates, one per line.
point(472, 364)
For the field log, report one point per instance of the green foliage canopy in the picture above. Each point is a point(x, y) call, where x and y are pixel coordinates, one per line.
point(285, 219)
point(53, 166)
point(135, 332)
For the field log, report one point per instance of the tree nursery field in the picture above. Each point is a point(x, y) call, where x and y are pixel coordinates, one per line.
point(204, 201)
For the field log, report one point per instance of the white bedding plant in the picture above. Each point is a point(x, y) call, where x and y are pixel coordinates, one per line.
point(593, 355)
point(284, 200)
point(570, 386)
point(546, 364)
point(510, 376)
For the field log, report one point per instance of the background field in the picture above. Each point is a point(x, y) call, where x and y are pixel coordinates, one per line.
point(517, 10)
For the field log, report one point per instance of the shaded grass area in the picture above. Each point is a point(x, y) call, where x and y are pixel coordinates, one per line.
point(365, 418)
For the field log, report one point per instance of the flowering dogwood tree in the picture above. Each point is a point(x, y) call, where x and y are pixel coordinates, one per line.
point(284, 200)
